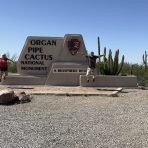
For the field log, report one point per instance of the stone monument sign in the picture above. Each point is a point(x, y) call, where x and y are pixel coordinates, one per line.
point(53, 59)
point(39, 53)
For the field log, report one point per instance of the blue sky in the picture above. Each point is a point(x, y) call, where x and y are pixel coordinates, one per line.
point(120, 24)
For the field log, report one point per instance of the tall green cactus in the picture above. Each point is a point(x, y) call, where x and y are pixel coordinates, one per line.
point(145, 60)
point(105, 61)
point(115, 68)
point(121, 66)
point(111, 67)
point(98, 49)
point(109, 61)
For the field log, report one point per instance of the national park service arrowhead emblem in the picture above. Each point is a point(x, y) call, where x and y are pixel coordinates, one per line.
point(74, 46)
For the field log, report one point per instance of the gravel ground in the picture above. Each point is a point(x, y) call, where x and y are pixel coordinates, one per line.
point(77, 122)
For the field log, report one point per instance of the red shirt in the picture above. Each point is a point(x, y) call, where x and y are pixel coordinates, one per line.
point(3, 62)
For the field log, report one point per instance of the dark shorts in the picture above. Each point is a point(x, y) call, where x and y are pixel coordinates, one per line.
point(3, 69)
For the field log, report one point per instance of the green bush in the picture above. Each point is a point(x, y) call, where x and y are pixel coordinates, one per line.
point(12, 67)
point(137, 70)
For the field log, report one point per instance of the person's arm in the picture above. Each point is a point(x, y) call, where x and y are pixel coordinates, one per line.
point(99, 56)
point(10, 60)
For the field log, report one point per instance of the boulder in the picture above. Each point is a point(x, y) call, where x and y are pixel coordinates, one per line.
point(23, 97)
point(6, 96)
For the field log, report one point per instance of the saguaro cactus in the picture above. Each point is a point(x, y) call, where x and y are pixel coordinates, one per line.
point(145, 60)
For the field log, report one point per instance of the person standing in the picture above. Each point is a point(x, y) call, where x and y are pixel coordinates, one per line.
point(91, 59)
point(91, 70)
point(4, 66)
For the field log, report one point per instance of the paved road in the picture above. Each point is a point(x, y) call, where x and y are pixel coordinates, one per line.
point(77, 122)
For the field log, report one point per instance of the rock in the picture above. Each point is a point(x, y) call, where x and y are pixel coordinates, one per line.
point(24, 98)
point(9, 97)
point(6, 96)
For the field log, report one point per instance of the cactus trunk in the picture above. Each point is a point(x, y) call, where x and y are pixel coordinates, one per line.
point(121, 64)
point(99, 49)
point(145, 60)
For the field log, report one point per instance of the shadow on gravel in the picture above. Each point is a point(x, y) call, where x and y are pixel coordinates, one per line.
point(124, 91)
point(20, 87)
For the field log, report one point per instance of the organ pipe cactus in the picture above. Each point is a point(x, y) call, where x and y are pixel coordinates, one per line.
point(145, 60)
point(99, 49)
point(111, 67)
point(110, 62)
point(105, 61)
point(121, 65)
